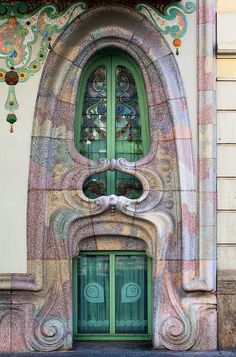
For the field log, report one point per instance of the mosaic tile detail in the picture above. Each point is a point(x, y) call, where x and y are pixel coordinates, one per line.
point(21, 35)
point(172, 22)
point(20, 32)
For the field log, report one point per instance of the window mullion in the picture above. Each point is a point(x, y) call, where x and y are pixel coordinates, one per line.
point(111, 123)
point(112, 295)
point(113, 108)
point(110, 150)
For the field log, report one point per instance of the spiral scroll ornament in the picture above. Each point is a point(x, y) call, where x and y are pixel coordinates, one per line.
point(50, 334)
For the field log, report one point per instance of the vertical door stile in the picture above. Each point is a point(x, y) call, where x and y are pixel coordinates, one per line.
point(75, 296)
point(112, 294)
point(149, 287)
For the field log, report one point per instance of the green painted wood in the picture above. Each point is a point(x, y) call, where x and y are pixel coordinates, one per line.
point(114, 338)
point(75, 296)
point(112, 335)
point(150, 295)
point(112, 294)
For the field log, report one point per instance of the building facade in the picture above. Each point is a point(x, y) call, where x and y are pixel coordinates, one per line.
point(117, 200)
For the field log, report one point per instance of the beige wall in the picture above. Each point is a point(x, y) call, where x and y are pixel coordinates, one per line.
point(226, 5)
point(226, 137)
point(226, 172)
point(14, 163)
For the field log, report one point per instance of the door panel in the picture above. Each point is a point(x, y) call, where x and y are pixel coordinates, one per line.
point(93, 294)
point(131, 294)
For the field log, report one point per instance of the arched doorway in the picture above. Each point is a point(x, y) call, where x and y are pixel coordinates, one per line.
point(66, 216)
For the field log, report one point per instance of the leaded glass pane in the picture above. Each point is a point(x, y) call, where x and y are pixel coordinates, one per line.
point(128, 185)
point(128, 131)
point(127, 123)
point(124, 185)
point(94, 116)
point(95, 186)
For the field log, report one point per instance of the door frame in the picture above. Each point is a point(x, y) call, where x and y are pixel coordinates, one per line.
point(112, 254)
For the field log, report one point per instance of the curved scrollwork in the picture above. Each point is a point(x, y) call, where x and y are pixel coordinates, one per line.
point(49, 334)
point(49, 331)
point(176, 333)
point(151, 182)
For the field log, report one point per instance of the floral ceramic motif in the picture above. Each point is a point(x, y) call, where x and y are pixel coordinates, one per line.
point(25, 26)
point(173, 22)
point(19, 34)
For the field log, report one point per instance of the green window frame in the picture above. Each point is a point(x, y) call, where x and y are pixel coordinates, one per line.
point(111, 60)
point(112, 288)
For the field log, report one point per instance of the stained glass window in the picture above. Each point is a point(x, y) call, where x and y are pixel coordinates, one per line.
point(94, 116)
point(112, 122)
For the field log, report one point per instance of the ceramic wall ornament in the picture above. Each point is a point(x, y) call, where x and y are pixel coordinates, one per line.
point(26, 34)
point(172, 21)
point(27, 25)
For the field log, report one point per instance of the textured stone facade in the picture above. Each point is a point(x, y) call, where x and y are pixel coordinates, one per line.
point(174, 217)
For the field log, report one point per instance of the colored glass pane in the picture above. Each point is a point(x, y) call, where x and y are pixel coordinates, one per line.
point(94, 116)
point(125, 185)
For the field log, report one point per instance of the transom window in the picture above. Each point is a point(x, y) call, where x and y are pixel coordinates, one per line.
point(112, 122)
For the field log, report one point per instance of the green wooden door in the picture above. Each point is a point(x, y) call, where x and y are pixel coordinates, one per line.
point(112, 122)
point(112, 296)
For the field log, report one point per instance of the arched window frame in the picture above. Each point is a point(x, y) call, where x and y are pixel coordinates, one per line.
point(122, 60)
point(112, 59)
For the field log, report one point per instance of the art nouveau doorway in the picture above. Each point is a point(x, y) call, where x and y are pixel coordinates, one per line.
point(72, 211)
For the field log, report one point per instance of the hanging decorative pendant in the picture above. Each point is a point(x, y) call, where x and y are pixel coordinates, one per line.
point(11, 103)
point(11, 79)
point(11, 119)
point(177, 44)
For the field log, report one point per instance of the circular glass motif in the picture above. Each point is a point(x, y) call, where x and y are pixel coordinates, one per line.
point(94, 293)
point(130, 292)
